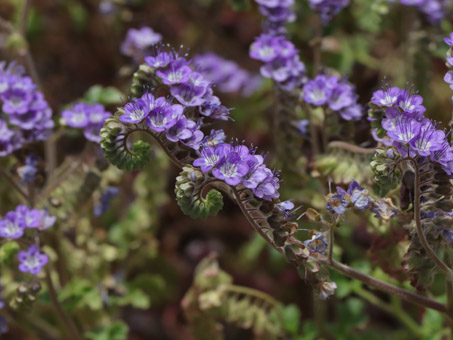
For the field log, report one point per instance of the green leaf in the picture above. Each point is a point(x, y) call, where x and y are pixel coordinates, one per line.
point(103, 95)
point(291, 319)
point(116, 331)
point(8, 251)
point(79, 294)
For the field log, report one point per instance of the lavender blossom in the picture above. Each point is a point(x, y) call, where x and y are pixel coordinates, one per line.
point(328, 8)
point(10, 226)
point(138, 41)
point(32, 260)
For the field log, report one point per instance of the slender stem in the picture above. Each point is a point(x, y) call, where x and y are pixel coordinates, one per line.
point(253, 224)
point(331, 240)
point(394, 309)
point(65, 319)
point(384, 286)
point(418, 222)
point(16, 186)
point(351, 147)
point(316, 45)
point(22, 26)
point(314, 139)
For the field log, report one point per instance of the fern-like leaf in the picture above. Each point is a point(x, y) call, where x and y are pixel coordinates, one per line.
point(114, 145)
point(188, 189)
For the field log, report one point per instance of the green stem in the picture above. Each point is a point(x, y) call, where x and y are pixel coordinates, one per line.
point(394, 309)
point(16, 186)
point(70, 326)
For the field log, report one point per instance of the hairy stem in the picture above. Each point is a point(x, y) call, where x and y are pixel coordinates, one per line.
point(70, 326)
point(385, 287)
point(16, 186)
point(418, 222)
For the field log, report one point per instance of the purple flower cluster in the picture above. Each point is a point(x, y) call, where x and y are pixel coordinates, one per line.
point(328, 8)
point(449, 75)
point(138, 41)
point(355, 196)
point(238, 164)
point(227, 75)
point(90, 118)
point(435, 10)
point(277, 12)
point(409, 131)
point(334, 93)
point(187, 86)
point(160, 115)
point(14, 224)
point(25, 116)
point(281, 58)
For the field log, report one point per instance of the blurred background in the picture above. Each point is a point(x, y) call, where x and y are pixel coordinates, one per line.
point(76, 45)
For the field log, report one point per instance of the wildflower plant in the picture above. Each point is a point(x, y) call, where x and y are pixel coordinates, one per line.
point(61, 243)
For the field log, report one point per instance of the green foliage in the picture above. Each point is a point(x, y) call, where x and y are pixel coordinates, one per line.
point(188, 190)
point(103, 95)
point(8, 252)
point(343, 166)
point(116, 331)
point(213, 300)
point(114, 145)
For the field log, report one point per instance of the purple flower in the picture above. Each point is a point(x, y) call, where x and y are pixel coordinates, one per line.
point(135, 112)
point(275, 3)
point(285, 208)
point(77, 116)
point(268, 188)
point(256, 173)
point(318, 90)
point(179, 131)
point(268, 47)
point(3, 325)
point(211, 155)
point(226, 74)
point(103, 205)
point(160, 60)
point(138, 41)
point(231, 169)
point(215, 138)
point(410, 103)
point(10, 227)
point(162, 118)
point(402, 129)
point(27, 218)
point(342, 96)
point(32, 260)
point(176, 72)
point(430, 139)
point(386, 97)
point(449, 40)
point(354, 112)
point(28, 172)
point(359, 197)
point(19, 95)
point(191, 93)
point(337, 203)
point(302, 126)
point(317, 243)
point(279, 14)
point(328, 8)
